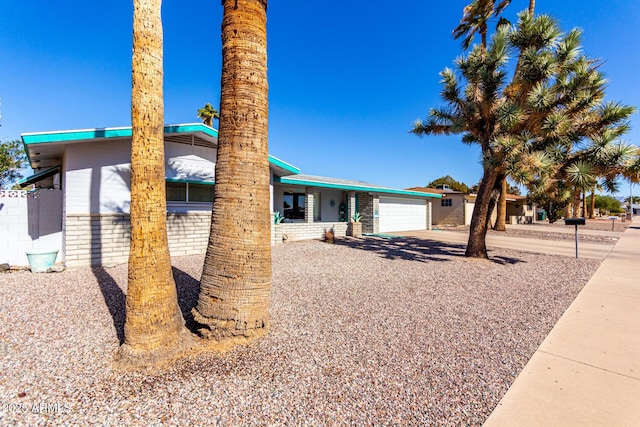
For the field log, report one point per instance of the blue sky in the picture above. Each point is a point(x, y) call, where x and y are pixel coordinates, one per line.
point(347, 78)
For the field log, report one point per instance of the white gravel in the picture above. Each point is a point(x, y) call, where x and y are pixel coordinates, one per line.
point(364, 332)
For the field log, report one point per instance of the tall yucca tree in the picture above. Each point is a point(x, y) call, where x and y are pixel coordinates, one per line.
point(236, 280)
point(154, 328)
point(556, 103)
point(584, 163)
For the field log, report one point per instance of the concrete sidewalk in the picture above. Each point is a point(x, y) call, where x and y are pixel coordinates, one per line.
point(551, 247)
point(587, 370)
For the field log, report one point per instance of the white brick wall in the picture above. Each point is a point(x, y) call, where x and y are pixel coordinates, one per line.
point(28, 222)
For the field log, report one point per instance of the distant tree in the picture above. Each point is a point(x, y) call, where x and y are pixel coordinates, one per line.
point(12, 159)
point(452, 183)
point(636, 199)
point(207, 114)
point(608, 203)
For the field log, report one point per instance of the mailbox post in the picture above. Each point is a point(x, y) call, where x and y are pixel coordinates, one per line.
point(576, 222)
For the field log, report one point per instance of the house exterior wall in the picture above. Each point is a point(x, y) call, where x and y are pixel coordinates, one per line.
point(450, 215)
point(370, 211)
point(103, 239)
point(96, 183)
point(292, 231)
point(29, 220)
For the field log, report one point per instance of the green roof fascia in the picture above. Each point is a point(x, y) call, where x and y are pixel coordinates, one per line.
point(189, 181)
point(42, 174)
point(123, 132)
point(284, 165)
point(284, 180)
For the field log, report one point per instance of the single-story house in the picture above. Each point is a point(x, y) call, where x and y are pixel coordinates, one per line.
point(456, 208)
point(87, 173)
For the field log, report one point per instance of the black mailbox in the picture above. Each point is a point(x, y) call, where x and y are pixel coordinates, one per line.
point(574, 221)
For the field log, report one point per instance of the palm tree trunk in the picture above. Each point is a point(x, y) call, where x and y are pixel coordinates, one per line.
point(154, 328)
point(592, 210)
point(476, 246)
point(532, 6)
point(236, 280)
point(501, 218)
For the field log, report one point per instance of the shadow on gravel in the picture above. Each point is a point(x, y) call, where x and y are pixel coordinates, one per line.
point(408, 248)
point(413, 249)
point(113, 297)
point(188, 289)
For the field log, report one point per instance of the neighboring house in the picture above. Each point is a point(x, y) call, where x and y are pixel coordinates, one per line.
point(456, 208)
point(89, 174)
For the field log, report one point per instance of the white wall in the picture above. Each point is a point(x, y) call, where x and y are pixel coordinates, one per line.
point(97, 175)
point(28, 222)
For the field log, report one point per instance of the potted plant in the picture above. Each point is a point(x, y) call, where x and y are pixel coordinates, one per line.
point(277, 227)
point(355, 226)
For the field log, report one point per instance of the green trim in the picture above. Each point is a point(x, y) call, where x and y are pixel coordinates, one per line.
point(189, 181)
point(284, 180)
point(40, 175)
point(124, 132)
point(284, 165)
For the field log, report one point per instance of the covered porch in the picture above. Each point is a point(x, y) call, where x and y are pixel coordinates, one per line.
point(313, 205)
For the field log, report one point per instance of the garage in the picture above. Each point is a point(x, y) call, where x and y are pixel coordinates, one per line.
point(400, 214)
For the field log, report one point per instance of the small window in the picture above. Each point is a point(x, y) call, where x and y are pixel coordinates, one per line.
point(445, 202)
point(189, 192)
point(293, 205)
point(200, 193)
point(176, 192)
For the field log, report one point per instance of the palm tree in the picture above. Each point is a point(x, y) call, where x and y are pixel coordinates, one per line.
point(236, 279)
point(154, 328)
point(207, 114)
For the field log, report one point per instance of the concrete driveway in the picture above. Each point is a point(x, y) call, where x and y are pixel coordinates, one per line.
point(550, 247)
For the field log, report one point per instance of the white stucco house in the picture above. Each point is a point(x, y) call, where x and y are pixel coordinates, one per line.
point(85, 175)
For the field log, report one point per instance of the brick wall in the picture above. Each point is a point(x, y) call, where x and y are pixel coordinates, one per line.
point(369, 209)
point(104, 239)
point(306, 231)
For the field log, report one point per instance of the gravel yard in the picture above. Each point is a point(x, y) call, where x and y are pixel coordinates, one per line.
point(364, 332)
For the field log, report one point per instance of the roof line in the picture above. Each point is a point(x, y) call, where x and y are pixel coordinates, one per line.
point(113, 132)
point(372, 189)
point(284, 165)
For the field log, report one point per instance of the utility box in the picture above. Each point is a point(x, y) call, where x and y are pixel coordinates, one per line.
point(574, 221)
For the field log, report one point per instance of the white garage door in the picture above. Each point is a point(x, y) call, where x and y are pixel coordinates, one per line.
point(398, 214)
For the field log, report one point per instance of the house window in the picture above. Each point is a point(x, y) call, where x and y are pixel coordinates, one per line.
point(445, 202)
point(293, 205)
point(187, 192)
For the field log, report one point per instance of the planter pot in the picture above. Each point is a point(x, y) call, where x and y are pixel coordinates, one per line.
point(41, 260)
point(354, 229)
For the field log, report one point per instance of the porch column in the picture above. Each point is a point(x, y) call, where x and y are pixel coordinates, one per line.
point(308, 205)
point(352, 208)
point(430, 216)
